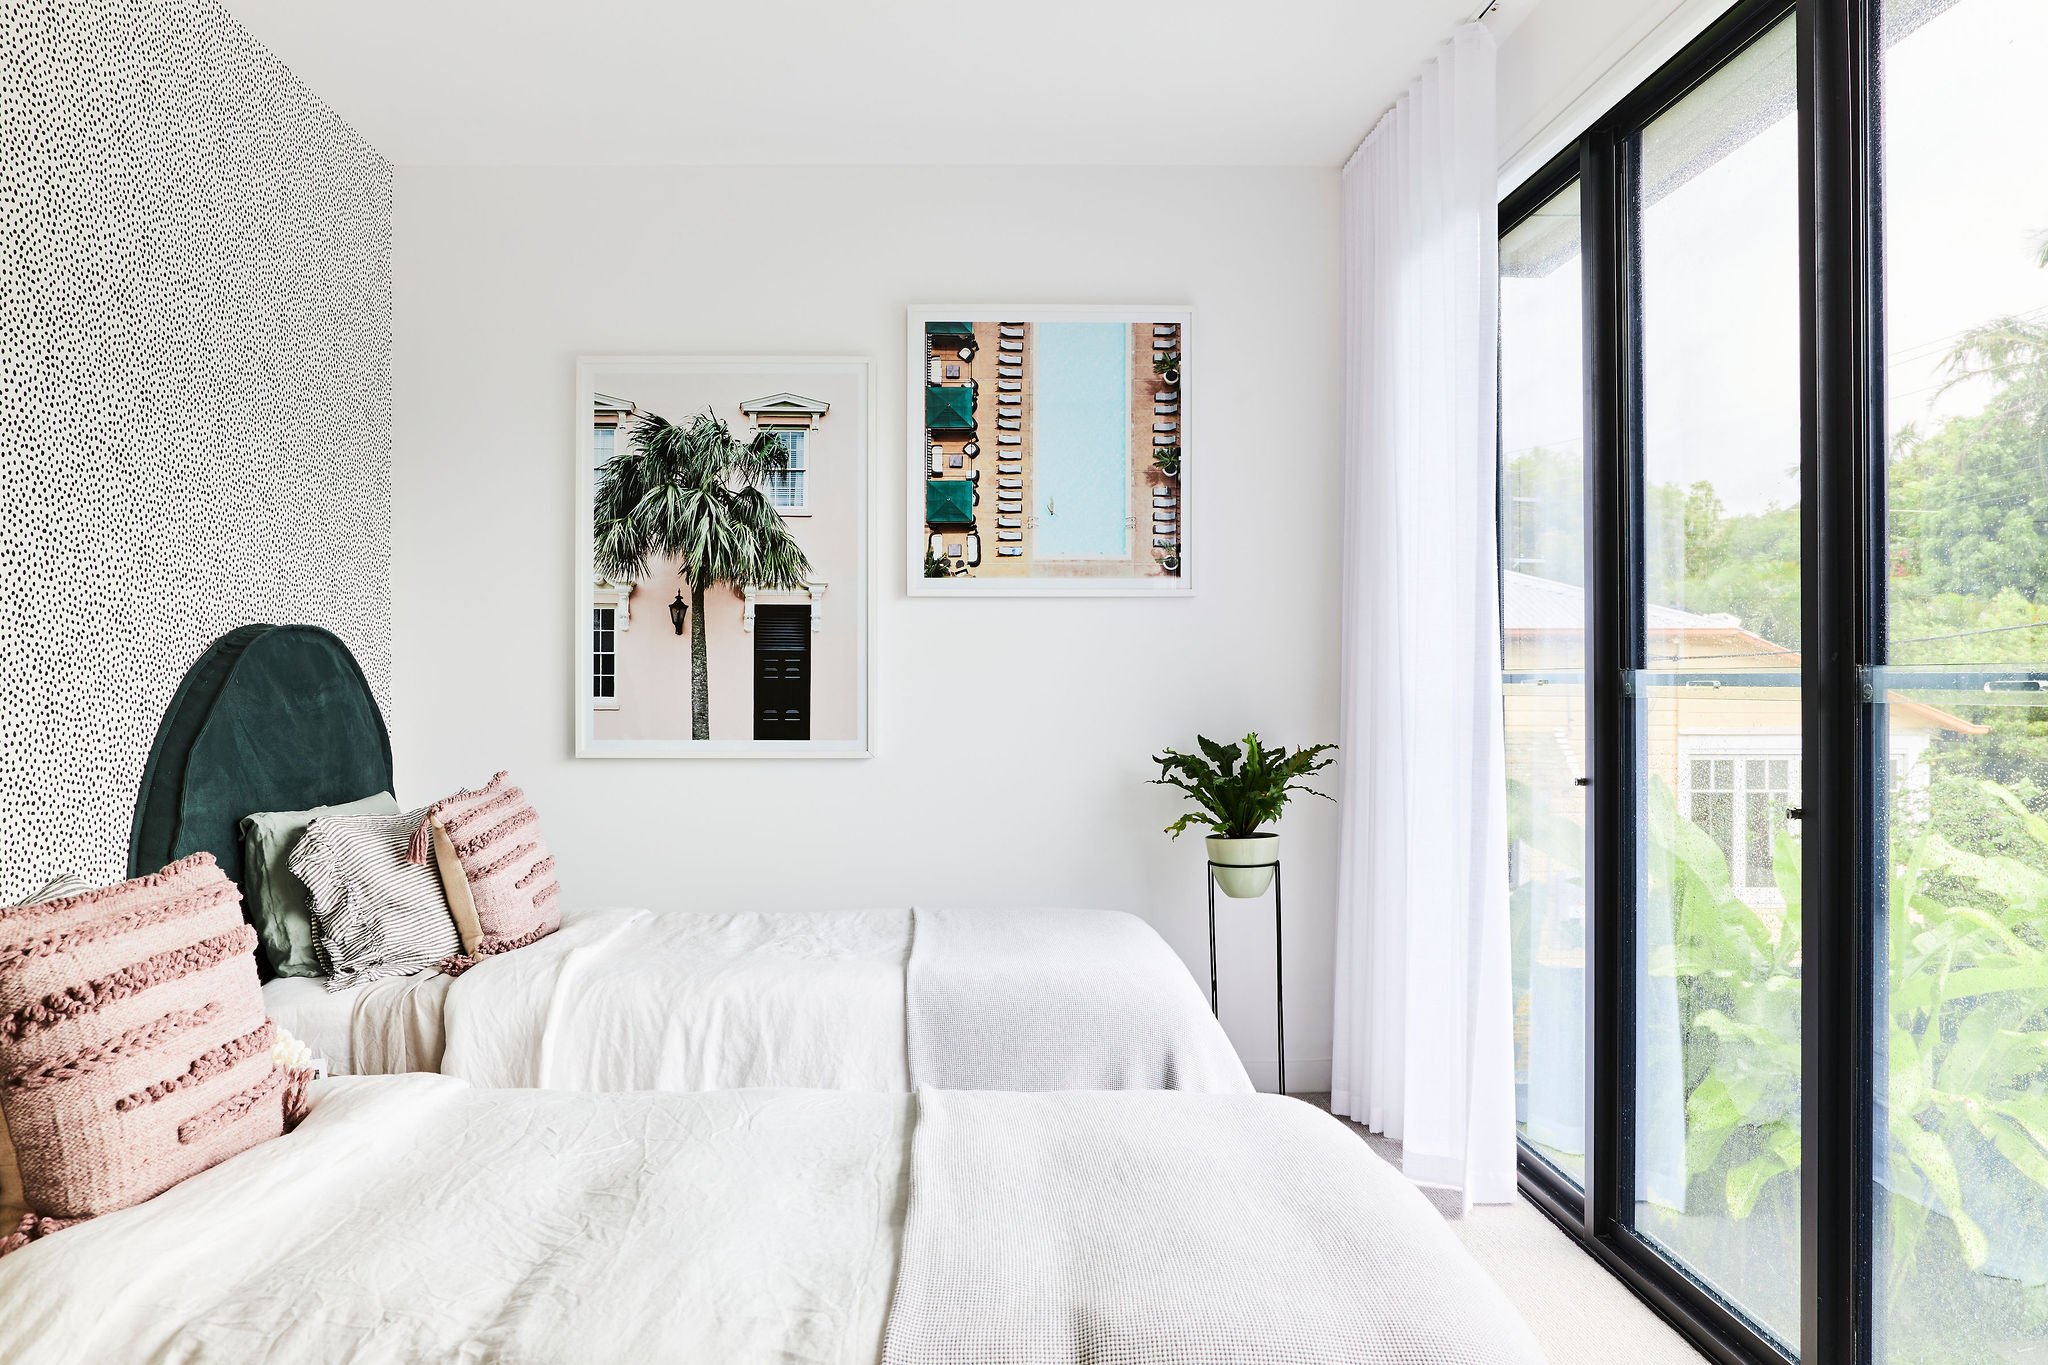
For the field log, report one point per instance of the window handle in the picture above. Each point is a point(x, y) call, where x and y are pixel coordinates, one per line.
point(1795, 812)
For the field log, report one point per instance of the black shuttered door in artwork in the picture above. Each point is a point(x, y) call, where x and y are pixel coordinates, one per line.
point(782, 673)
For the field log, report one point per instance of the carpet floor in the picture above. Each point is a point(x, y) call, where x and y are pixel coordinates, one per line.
point(1581, 1315)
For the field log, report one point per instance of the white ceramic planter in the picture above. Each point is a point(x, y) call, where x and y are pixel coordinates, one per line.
point(1244, 867)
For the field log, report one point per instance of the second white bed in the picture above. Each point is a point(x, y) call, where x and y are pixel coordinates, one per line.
point(876, 1000)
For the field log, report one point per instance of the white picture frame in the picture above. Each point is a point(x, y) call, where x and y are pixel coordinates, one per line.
point(918, 457)
point(846, 593)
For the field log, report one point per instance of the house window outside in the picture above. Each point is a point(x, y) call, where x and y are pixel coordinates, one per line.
point(786, 487)
point(1740, 801)
point(604, 656)
point(604, 443)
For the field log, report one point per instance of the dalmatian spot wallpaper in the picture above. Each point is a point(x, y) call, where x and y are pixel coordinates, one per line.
point(195, 393)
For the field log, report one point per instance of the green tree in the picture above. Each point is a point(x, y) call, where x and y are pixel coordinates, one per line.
point(692, 493)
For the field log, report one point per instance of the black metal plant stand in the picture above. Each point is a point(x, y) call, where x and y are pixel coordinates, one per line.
point(1279, 1001)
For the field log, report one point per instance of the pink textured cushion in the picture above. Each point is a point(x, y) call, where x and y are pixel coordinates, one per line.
point(507, 871)
point(134, 1049)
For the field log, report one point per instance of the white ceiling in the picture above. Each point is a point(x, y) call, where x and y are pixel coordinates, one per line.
point(817, 82)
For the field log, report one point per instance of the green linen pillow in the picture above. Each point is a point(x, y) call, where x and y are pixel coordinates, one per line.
point(275, 899)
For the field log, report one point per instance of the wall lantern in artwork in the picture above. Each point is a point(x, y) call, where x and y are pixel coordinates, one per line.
point(679, 612)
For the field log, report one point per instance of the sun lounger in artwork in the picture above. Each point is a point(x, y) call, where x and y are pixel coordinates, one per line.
point(1159, 544)
point(939, 546)
point(1011, 329)
point(1009, 523)
point(1010, 346)
point(1017, 484)
point(1165, 329)
point(973, 550)
point(1009, 386)
point(1010, 551)
point(1009, 371)
point(938, 460)
point(1166, 440)
point(1009, 535)
point(1008, 438)
point(1009, 468)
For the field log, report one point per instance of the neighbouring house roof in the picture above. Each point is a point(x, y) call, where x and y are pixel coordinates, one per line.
point(1532, 603)
point(784, 405)
point(949, 502)
point(1544, 606)
point(949, 407)
point(604, 404)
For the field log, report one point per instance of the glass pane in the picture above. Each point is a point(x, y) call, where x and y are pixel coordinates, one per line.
point(1717, 986)
point(1961, 1208)
point(1544, 652)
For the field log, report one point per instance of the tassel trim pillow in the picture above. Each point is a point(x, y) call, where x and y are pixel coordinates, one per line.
point(495, 869)
point(134, 1049)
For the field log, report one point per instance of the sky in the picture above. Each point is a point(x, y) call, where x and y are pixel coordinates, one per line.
point(1966, 103)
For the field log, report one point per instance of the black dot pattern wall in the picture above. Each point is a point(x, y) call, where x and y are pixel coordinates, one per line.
point(195, 392)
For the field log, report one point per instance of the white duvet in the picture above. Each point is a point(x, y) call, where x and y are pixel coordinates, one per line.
point(682, 1000)
point(412, 1218)
point(415, 1218)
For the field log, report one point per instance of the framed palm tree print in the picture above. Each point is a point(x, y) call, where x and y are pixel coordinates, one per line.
point(722, 604)
point(1049, 451)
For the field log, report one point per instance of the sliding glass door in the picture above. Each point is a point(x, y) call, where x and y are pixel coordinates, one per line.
point(1774, 521)
point(1714, 218)
point(1543, 611)
point(1961, 1176)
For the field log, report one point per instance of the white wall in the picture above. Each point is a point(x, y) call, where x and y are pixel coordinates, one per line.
point(1012, 736)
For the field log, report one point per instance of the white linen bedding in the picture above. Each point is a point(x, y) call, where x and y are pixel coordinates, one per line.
point(685, 1000)
point(633, 1000)
point(1058, 1000)
point(412, 1218)
point(1147, 1226)
point(416, 1218)
point(316, 1016)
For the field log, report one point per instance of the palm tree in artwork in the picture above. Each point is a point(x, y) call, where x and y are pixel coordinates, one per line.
point(693, 492)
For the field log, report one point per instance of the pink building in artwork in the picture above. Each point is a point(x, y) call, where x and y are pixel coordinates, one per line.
point(783, 665)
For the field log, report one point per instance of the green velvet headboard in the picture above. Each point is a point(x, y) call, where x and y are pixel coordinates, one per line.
point(270, 718)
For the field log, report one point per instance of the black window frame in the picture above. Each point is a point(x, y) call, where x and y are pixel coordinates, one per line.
point(1842, 548)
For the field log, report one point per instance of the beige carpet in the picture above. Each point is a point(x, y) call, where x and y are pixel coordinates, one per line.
point(1580, 1314)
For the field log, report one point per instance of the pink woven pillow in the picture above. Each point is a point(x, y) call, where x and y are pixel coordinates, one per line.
point(495, 868)
point(134, 1049)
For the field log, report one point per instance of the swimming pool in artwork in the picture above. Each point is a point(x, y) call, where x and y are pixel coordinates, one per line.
point(1081, 437)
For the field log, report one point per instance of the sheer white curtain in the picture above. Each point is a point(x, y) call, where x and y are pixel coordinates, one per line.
point(1424, 1041)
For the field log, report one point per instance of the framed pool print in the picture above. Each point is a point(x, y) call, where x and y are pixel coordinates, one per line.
point(1049, 451)
point(721, 533)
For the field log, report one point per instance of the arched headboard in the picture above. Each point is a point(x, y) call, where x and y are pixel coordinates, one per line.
point(269, 718)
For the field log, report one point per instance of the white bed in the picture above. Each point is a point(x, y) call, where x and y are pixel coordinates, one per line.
point(877, 1000)
point(417, 1218)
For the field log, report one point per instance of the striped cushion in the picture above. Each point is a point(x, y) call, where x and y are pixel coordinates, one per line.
point(58, 887)
point(374, 913)
point(500, 864)
point(134, 1050)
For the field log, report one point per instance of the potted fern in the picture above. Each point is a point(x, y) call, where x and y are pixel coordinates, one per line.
point(1237, 790)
